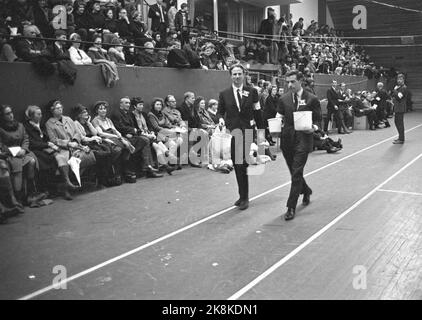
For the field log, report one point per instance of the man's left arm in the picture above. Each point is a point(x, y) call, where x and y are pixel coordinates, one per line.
point(316, 113)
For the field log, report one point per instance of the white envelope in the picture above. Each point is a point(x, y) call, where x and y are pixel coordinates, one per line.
point(14, 150)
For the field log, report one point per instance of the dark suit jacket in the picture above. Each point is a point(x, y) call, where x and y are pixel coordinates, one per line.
point(332, 97)
point(400, 104)
point(124, 122)
point(188, 115)
point(156, 20)
point(290, 138)
point(227, 108)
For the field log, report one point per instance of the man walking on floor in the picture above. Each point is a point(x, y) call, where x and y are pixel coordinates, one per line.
point(399, 96)
point(236, 107)
point(296, 145)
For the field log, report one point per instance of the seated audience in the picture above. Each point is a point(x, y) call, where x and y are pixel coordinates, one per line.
point(212, 110)
point(148, 57)
point(29, 49)
point(62, 131)
point(143, 125)
point(77, 55)
point(162, 127)
point(14, 144)
point(50, 156)
point(203, 119)
point(126, 125)
point(96, 52)
point(108, 131)
point(172, 113)
point(6, 51)
point(116, 53)
point(9, 206)
point(106, 152)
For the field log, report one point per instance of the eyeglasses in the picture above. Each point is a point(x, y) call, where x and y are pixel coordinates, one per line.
point(172, 101)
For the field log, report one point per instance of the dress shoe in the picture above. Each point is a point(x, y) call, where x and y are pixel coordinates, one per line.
point(333, 150)
point(151, 168)
point(387, 125)
point(306, 198)
point(244, 204)
point(237, 203)
point(152, 174)
point(167, 168)
point(130, 178)
point(290, 214)
point(398, 141)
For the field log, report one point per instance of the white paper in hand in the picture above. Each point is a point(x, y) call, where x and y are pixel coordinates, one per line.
point(74, 165)
point(400, 95)
point(14, 150)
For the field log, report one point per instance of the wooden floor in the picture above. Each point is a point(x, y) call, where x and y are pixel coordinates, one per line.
point(179, 237)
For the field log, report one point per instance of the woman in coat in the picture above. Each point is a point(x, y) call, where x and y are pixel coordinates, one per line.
point(62, 132)
point(50, 156)
point(14, 142)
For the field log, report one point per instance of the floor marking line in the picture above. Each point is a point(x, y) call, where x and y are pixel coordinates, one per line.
point(401, 192)
point(176, 232)
point(277, 265)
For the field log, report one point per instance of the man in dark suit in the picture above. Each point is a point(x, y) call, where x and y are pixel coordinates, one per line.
point(333, 97)
point(126, 124)
point(399, 96)
point(296, 145)
point(159, 18)
point(236, 106)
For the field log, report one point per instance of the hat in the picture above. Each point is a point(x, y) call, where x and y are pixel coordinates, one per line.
point(98, 104)
point(75, 36)
point(134, 101)
point(116, 41)
point(59, 33)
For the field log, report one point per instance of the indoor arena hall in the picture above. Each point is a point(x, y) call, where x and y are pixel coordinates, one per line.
point(184, 239)
point(227, 150)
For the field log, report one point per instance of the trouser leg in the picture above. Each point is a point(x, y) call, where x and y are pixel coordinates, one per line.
point(399, 122)
point(296, 162)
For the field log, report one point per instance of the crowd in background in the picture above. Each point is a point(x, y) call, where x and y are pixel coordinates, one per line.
point(121, 143)
point(170, 41)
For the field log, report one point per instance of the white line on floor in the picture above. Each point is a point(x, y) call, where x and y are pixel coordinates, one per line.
point(277, 265)
point(174, 233)
point(401, 192)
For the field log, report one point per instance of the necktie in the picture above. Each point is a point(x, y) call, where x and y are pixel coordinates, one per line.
point(161, 13)
point(296, 101)
point(239, 99)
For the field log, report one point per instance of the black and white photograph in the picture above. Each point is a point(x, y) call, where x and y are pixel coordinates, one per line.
point(209, 156)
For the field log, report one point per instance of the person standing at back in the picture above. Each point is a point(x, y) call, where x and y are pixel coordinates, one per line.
point(399, 96)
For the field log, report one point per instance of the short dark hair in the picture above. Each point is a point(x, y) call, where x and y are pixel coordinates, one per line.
point(184, 5)
point(299, 75)
point(135, 100)
point(237, 65)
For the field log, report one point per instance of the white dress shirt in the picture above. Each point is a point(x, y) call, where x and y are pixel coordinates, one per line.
point(235, 94)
